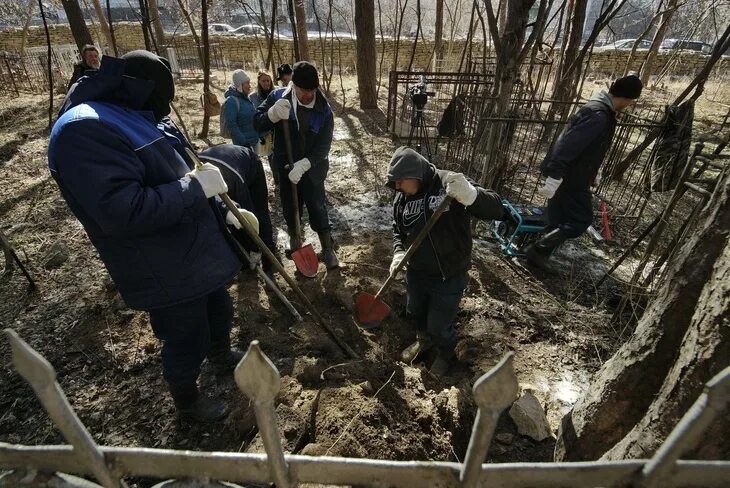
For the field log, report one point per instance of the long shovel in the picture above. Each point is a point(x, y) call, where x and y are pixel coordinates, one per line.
point(305, 259)
point(277, 265)
point(371, 310)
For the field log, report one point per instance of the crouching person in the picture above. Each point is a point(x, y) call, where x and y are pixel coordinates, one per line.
point(149, 217)
point(244, 175)
point(437, 272)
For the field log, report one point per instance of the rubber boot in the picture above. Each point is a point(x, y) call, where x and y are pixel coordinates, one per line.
point(442, 363)
point(193, 406)
point(538, 254)
point(410, 353)
point(328, 250)
point(223, 358)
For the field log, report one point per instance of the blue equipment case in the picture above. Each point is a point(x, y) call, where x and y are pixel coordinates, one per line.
point(526, 226)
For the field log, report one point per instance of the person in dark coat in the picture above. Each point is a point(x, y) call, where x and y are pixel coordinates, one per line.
point(264, 86)
point(572, 165)
point(304, 107)
point(148, 214)
point(284, 73)
point(436, 274)
point(90, 60)
point(244, 175)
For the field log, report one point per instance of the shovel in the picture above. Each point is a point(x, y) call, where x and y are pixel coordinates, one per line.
point(371, 310)
point(304, 257)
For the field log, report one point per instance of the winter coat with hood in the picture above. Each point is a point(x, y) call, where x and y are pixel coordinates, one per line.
point(152, 225)
point(579, 151)
point(239, 118)
point(312, 142)
point(446, 251)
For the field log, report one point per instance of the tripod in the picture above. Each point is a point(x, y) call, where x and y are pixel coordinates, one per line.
point(419, 132)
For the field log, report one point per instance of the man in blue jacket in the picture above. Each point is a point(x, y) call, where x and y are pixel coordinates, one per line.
point(304, 107)
point(149, 217)
point(571, 167)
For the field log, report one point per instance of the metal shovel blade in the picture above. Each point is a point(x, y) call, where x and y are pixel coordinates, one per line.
point(305, 259)
point(370, 310)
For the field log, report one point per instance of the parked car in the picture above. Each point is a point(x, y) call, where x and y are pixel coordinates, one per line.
point(220, 29)
point(249, 30)
point(624, 45)
point(685, 45)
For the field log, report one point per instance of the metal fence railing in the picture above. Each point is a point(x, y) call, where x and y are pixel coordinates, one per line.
point(259, 379)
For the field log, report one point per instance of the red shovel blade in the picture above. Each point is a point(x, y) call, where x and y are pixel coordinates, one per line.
point(305, 259)
point(370, 310)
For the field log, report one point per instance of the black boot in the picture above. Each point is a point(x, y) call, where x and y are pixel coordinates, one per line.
point(224, 359)
point(538, 254)
point(267, 265)
point(328, 250)
point(193, 406)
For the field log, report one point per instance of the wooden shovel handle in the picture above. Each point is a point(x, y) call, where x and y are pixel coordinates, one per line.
point(415, 244)
point(295, 195)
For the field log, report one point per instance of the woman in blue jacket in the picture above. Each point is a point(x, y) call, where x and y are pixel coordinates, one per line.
point(239, 111)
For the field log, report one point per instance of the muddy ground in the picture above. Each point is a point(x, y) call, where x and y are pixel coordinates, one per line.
point(108, 361)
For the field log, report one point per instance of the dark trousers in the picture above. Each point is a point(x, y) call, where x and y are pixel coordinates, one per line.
point(311, 195)
point(258, 203)
point(188, 330)
point(432, 304)
point(570, 211)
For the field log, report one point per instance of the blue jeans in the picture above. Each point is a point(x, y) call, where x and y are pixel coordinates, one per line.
point(432, 304)
point(187, 330)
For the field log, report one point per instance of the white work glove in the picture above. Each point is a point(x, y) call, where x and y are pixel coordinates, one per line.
point(298, 170)
point(459, 188)
point(279, 111)
point(597, 180)
point(211, 179)
point(550, 187)
point(254, 259)
point(249, 216)
point(397, 258)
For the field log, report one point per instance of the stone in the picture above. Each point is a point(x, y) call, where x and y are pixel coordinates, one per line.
point(529, 416)
point(55, 256)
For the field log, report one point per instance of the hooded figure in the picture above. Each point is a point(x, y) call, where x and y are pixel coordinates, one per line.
point(572, 165)
point(437, 271)
point(121, 168)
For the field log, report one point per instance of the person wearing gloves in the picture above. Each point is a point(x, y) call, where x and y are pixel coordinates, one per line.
point(149, 216)
point(573, 164)
point(311, 124)
point(244, 175)
point(436, 274)
point(239, 111)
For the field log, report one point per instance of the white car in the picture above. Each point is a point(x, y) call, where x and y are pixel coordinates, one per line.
point(624, 45)
point(220, 29)
point(249, 30)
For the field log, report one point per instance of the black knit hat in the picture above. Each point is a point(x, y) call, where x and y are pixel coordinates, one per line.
point(145, 65)
point(627, 87)
point(283, 69)
point(304, 75)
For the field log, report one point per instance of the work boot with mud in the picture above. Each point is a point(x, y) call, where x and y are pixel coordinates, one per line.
point(538, 254)
point(441, 364)
point(224, 359)
point(195, 407)
point(328, 250)
point(410, 353)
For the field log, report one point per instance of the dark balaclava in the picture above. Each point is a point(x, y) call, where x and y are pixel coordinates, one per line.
point(145, 65)
point(628, 87)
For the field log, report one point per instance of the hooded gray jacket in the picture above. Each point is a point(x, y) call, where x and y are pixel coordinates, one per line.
point(446, 251)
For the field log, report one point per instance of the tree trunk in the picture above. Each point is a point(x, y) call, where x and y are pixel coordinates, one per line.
point(48, 61)
point(565, 84)
point(439, 33)
point(365, 45)
point(102, 21)
point(191, 26)
point(26, 26)
point(302, 30)
point(640, 393)
point(154, 12)
point(206, 66)
point(294, 33)
point(79, 30)
point(648, 66)
point(111, 27)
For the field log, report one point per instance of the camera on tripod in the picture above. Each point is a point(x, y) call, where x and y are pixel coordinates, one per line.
point(419, 95)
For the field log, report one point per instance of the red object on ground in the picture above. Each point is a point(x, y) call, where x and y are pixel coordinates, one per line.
point(606, 227)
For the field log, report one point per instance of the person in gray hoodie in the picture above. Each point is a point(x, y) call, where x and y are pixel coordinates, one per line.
point(436, 273)
point(571, 167)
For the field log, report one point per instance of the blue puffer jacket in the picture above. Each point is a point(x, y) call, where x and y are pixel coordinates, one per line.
point(152, 225)
point(239, 118)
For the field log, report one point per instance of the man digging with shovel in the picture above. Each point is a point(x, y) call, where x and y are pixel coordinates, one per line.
point(302, 106)
point(437, 270)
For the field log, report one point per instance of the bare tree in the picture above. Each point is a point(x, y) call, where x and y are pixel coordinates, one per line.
point(365, 44)
point(301, 19)
point(666, 18)
point(154, 14)
point(111, 27)
point(75, 16)
point(439, 31)
point(48, 62)
point(206, 68)
point(26, 26)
